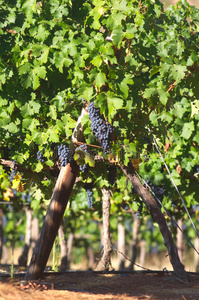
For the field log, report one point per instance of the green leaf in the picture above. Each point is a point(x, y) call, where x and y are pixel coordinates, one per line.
point(163, 96)
point(52, 135)
point(87, 92)
point(187, 130)
point(38, 167)
point(100, 79)
point(179, 109)
point(154, 118)
point(26, 123)
point(40, 71)
point(117, 35)
point(89, 160)
point(114, 104)
point(30, 108)
point(178, 72)
point(131, 29)
point(154, 70)
point(187, 164)
point(85, 119)
point(149, 92)
point(196, 138)
point(11, 127)
point(97, 61)
point(33, 125)
point(53, 112)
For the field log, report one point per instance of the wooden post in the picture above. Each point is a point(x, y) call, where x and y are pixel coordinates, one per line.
point(179, 240)
point(121, 243)
point(63, 247)
point(23, 258)
point(59, 200)
point(105, 261)
point(136, 228)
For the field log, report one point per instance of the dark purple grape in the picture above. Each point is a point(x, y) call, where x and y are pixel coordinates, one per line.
point(101, 129)
point(89, 192)
point(65, 155)
point(40, 157)
point(157, 190)
point(83, 168)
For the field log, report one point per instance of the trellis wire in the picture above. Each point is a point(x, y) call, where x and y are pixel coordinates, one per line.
point(159, 152)
point(168, 213)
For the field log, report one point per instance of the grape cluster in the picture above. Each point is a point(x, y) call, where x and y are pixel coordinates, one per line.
point(89, 192)
point(83, 168)
point(195, 208)
point(40, 157)
point(26, 196)
point(112, 171)
point(157, 190)
point(65, 155)
point(101, 129)
point(126, 207)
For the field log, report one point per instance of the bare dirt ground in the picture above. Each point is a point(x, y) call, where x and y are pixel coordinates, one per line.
point(77, 285)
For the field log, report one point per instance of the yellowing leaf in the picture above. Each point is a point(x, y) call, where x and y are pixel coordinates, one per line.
point(89, 160)
point(194, 107)
point(136, 163)
point(113, 158)
point(20, 187)
point(7, 195)
point(17, 184)
point(17, 177)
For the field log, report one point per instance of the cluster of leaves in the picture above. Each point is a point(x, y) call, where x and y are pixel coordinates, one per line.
point(137, 62)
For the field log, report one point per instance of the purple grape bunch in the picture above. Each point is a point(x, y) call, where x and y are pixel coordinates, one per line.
point(101, 129)
point(89, 192)
point(40, 157)
point(83, 168)
point(65, 155)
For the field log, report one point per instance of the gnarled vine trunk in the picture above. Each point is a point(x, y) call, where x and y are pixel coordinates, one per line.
point(59, 200)
point(158, 217)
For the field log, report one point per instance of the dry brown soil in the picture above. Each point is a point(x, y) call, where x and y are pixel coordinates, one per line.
point(92, 285)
